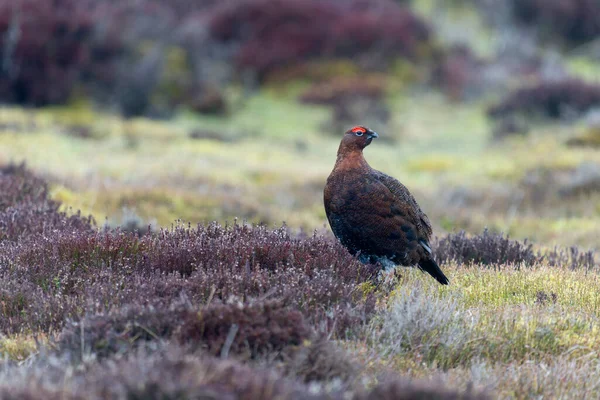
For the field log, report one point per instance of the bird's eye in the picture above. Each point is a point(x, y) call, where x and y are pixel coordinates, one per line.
point(359, 133)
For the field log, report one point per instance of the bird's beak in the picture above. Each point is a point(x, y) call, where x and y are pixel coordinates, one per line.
point(372, 135)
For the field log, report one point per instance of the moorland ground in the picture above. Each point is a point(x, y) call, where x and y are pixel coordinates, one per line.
point(183, 310)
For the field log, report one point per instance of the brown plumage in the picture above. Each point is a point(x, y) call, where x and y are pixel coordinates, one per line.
point(373, 214)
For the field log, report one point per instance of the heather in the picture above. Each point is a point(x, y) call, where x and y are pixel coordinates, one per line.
point(103, 270)
point(238, 296)
point(492, 249)
point(26, 209)
point(263, 297)
point(91, 47)
point(174, 372)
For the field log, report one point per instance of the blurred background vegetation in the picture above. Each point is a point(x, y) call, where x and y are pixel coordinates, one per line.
point(146, 111)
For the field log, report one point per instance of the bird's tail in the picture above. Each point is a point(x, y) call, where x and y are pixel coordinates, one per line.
point(430, 266)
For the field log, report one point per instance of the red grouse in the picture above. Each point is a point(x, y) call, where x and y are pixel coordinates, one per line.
point(374, 215)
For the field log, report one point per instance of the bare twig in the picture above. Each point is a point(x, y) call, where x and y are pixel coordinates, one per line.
point(229, 341)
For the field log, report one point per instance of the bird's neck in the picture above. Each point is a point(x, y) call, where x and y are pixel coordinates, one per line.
point(347, 160)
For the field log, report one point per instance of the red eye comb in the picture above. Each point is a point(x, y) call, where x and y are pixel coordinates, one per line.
point(358, 129)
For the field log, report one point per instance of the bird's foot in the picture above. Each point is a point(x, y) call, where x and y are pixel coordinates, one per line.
point(389, 277)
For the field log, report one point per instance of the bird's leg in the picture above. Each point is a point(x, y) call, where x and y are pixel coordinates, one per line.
point(363, 258)
point(387, 264)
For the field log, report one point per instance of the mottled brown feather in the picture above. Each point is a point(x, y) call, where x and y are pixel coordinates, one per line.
point(373, 214)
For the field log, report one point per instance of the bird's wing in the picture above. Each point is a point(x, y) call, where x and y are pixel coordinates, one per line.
point(403, 195)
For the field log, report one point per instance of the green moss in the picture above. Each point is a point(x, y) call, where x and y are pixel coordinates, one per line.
point(175, 79)
point(18, 348)
point(583, 67)
point(405, 72)
point(446, 16)
point(563, 287)
point(432, 163)
point(500, 316)
point(367, 288)
point(331, 69)
point(590, 137)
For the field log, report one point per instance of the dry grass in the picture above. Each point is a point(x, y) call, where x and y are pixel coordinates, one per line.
point(274, 170)
point(517, 333)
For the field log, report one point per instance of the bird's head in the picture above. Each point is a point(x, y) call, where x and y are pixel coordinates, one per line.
point(358, 138)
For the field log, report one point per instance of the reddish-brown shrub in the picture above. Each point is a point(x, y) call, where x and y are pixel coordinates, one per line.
point(48, 45)
point(494, 249)
point(273, 34)
point(241, 330)
point(555, 99)
point(354, 100)
point(574, 21)
point(457, 72)
point(118, 52)
point(253, 329)
point(396, 389)
point(340, 89)
point(117, 332)
point(50, 48)
point(486, 249)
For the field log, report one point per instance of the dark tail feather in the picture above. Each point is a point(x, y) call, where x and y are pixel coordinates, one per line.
point(430, 266)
